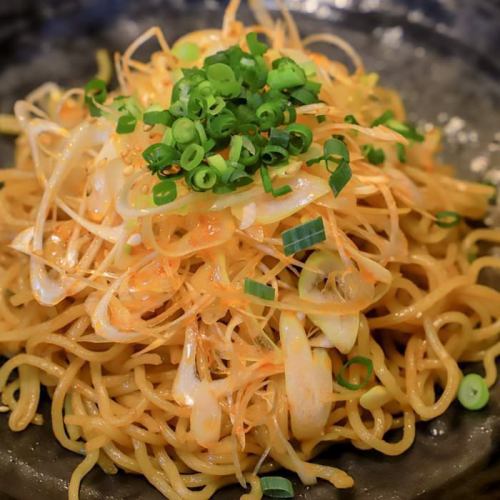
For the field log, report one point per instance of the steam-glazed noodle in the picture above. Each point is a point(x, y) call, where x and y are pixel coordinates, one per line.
point(134, 317)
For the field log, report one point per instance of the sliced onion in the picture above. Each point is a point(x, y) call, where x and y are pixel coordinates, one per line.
point(340, 329)
point(305, 189)
point(306, 398)
point(186, 380)
point(211, 230)
point(206, 416)
point(100, 318)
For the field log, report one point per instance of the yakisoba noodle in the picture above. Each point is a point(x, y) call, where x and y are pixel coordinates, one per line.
point(134, 317)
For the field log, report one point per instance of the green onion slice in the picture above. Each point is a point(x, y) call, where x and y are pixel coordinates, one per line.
point(276, 487)
point(192, 156)
point(473, 392)
point(126, 124)
point(279, 137)
point(401, 151)
point(156, 115)
point(300, 138)
point(374, 155)
point(266, 180)
point(186, 51)
point(340, 177)
point(336, 148)
point(95, 91)
point(356, 360)
point(235, 147)
point(164, 192)
point(273, 154)
point(286, 74)
point(256, 47)
point(351, 119)
point(383, 118)
point(202, 178)
point(282, 190)
point(448, 218)
point(257, 289)
point(159, 155)
point(184, 130)
point(303, 236)
point(221, 125)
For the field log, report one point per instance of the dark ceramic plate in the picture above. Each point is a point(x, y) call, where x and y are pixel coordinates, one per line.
point(441, 55)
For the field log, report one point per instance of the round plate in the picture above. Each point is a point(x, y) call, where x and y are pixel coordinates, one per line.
point(441, 56)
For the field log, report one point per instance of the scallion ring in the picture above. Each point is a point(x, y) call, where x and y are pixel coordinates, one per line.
point(473, 392)
point(192, 156)
point(300, 138)
point(276, 487)
point(447, 219)
point(356, 360)
point(164, 192)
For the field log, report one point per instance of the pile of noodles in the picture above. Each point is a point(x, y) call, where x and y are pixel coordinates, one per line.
point(134, 319)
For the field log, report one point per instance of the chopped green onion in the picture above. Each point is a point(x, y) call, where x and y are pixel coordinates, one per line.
point(383, 118)
point(202, 178)
point(276, 487)
point(208, 145)
point(473, 392)
point(303, 236)
point(356, 360)
point(239, 178)
point(235, 147)
point(374, 155)
point(266, 180)
point(159, 155)
point(273, 154)
point(256, 47)
point(314, 87)
point(300, 138)
point(164, 192)
point(201, 131)
point(321, 118)
point(155, 115)
point(401, 151)
point(279, 137)
point(196, 107)
point(128, 106)
point(289, 115)
point(187, 51)
point(304, 96)
point(218, 162)
point(215, 107)
point(351, 119)
point(269, 115)
point(183, 130)
point(221, 125)
point(222, 78)
point(282, 190)
point(192, 156)
point(286, 74)
point(268, 187)
point(337, 149)
point(95, 92)
point(126, 124)
point(408, 131)
point(340, 177)
point(447, 218)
